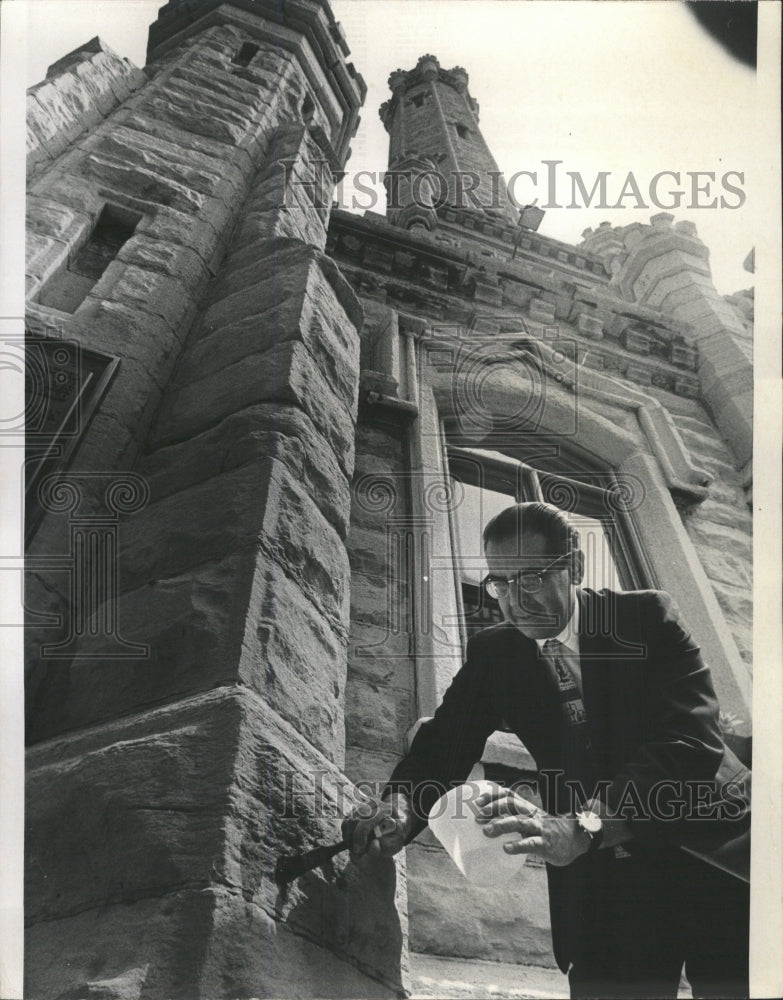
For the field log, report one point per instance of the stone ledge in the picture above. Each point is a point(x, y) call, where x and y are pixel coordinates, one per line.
point(242, 751)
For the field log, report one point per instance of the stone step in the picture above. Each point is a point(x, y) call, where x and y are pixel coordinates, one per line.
point(438, 976)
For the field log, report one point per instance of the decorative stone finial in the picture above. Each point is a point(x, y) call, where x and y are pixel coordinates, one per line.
point(397, 78)
point(459, 77)
point(428, 66)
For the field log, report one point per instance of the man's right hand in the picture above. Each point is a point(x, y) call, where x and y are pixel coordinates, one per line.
point(364, 828)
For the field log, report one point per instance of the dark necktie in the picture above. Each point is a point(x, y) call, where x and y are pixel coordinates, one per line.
point(571, 705)
point(573, 729)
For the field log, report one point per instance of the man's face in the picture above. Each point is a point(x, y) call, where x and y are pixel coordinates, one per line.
point(545, 613)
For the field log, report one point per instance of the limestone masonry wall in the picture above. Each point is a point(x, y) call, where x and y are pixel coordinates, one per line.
point(235, 402)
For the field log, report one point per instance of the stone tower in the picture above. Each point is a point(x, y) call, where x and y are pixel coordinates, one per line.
point(437, 154)
point(190, 529)
point(249, 551)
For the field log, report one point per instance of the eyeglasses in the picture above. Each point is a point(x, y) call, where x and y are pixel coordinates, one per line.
point(527, 581)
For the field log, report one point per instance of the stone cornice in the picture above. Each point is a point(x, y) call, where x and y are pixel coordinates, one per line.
point(449, 285)
point(523, 244)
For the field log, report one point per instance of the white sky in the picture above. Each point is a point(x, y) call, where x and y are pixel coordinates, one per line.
point(617, 86)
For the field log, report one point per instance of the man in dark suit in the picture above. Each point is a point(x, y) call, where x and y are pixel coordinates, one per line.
point(646, 819)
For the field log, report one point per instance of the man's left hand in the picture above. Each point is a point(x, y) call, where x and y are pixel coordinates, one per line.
point(556, 839)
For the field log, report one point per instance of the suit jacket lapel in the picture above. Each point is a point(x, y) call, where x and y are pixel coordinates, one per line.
point(531, 684)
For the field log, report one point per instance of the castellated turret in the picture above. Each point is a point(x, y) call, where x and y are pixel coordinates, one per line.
point(437, 155)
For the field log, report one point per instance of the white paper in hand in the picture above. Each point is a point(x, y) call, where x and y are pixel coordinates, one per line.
point(481, 859)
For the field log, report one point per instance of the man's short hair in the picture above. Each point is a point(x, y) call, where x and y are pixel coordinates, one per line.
point(534, 518)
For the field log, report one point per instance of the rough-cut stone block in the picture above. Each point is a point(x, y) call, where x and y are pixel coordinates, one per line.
point(374, 601)
point(126, 950)
point(542, 311)
point(296, 220)
point(702, 439)
point(288, 797)
point(295, 658)
point(288, 375)
point(199, 172)
point(130, 810)
point(279, 297)
point(119, 328)
point(181, 229)
point(57, 113)
point(378, 497)
point(252, 955)
point(43, 255)
point(590, 325)
point(292, 197)
point(148, 348)
point(48, 218)
point(167, 258)
point(140, 181)
point(380, 658)
point(191, 106)
point(370, 768)
point(39, 134)
point(157, 836)
point(281, 432)
point(147, 292)
point(726, 539)
point(38, 157)
point(193, 624)
point(68, 192)
point(370, 554)
point(726, 568)
point(185, 113)
point(88, 97)
point(258, 504)
point(80, 90)
point(371, 714)
point(733, 514)
point(376, 443)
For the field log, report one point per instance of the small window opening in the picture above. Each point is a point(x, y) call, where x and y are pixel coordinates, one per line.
point(462, 130)
point(245, 54)
point(417, 100)
point(69, 286)
point(308, 108)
